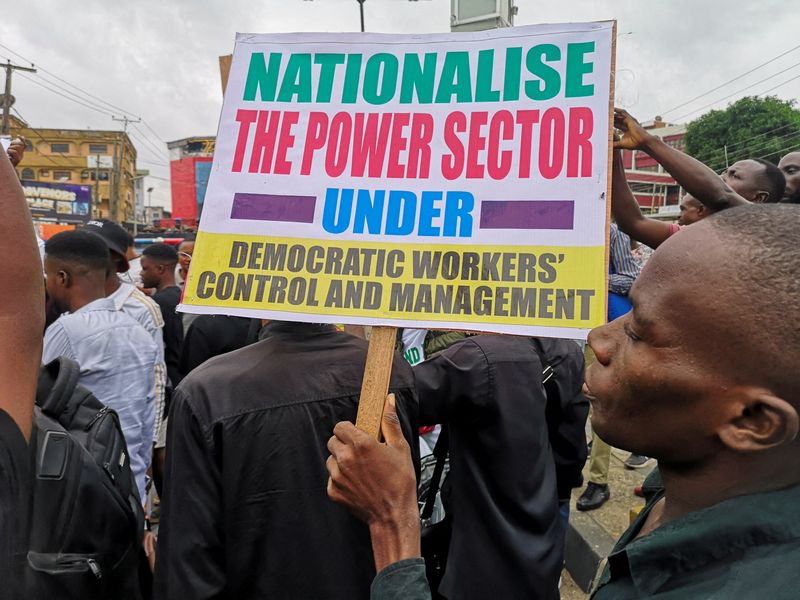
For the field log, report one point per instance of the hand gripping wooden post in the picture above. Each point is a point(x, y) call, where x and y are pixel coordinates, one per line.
point(375, 386)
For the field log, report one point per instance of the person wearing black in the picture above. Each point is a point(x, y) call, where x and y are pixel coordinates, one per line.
point(245, 512)
point(210, 336)
point(158, 271)
point(515, 450)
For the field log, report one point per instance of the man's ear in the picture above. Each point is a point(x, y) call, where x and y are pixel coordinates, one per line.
point(759, 420)
point(761, 197)
point(65, 279)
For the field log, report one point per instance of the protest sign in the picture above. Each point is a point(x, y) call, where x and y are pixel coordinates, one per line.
point(451, 181)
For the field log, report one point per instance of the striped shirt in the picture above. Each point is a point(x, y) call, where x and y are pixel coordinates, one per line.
point(135, 303)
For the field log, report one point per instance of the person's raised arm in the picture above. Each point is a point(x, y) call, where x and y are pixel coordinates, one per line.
point(21, 298)
point(695, 177)
point(627, 213)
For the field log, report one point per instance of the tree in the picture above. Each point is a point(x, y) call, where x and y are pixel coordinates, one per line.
point(751, 127)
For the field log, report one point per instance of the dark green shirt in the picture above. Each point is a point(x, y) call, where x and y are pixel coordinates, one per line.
point(744, 548)
point(403, 580)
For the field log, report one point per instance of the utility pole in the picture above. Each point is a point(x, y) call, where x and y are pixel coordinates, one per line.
point(96, 211)
point(7, 101)
point(361, 8)
point(114, 208)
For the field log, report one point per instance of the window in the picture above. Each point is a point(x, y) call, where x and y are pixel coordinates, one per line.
point(58, 175)
point(44, 173)
point(98, 148)
point(84, 174)
point(102, 176)
point(59, 148)
point(28, 174)
point(28, 145)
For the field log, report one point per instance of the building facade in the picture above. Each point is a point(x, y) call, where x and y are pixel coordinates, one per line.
point(190, 166)
point(655, 189)
point(105, 161)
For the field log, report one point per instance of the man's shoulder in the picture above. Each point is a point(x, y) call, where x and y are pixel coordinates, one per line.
point(493, 348)
point(142, 308)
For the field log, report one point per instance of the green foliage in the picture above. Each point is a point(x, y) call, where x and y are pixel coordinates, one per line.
point(751, 127)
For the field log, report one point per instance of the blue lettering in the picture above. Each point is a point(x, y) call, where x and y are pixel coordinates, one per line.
point(428, 212)
point(369, 211)
point(329, 221)
point(401, 214)
point(458, 214)
point(363, 212)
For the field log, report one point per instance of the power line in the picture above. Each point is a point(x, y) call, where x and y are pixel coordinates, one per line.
point(153, 131)
point(39, 135)
point(781, 84)
point(771, 60)
point(150, 162)
point(764, 144)
point(148, 149)
point(85, 93)
point(67, 97)
point(152, 145)
point(740, 91)
point(791, 146)
point(744, 141)
point(756, 147)
point(68, 91)
point(787, 140)
point(68, 83)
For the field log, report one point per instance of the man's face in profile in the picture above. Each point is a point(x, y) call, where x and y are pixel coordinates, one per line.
point(655, 386)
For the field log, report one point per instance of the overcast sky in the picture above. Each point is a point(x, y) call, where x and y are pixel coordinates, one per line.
point(159, 58)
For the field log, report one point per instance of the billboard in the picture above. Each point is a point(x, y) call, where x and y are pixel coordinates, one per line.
point(61, 202)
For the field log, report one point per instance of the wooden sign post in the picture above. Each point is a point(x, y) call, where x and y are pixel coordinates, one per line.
point(377, 373)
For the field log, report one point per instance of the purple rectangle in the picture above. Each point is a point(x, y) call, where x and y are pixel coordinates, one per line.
point(527, 214)
point(272, 207)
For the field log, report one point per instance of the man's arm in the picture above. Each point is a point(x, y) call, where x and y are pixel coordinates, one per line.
point(627, 213)
point(377, 482)
point(21, 300)
point(695, 177)
point(452, 380)
point(190, 562)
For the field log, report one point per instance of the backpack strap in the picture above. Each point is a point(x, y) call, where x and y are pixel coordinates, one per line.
point(440, 451)
point(57, 381)
point(548, 373)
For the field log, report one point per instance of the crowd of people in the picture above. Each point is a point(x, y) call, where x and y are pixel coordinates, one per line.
point(263, 487)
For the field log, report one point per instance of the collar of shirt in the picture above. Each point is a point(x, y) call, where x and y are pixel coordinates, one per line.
point(121, 294)
point(99, 304)
point(702, 537)
point(293, 328)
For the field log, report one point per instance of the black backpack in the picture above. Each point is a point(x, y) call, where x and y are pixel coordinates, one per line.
point(87, 522)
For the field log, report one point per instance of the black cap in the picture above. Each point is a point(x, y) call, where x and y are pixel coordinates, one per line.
point(115, 237)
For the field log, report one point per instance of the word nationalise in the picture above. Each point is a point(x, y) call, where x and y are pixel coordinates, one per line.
point(414, 78)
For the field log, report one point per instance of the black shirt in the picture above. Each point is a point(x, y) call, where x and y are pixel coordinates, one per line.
point(168, 300)
point(15, 482)
point(506, 540)
point(210, 336)
point(245, 512)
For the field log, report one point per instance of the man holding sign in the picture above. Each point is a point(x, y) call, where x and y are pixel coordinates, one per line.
point(244, 512)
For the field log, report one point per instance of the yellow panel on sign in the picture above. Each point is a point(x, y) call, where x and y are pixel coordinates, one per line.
point(476, 284)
